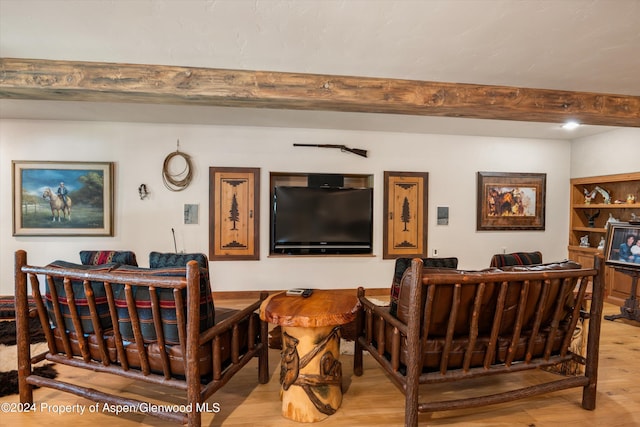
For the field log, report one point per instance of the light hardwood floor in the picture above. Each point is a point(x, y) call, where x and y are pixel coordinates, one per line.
point(372, 400)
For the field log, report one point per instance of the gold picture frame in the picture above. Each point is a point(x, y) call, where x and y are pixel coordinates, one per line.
point(62, 198)
point(511, 201)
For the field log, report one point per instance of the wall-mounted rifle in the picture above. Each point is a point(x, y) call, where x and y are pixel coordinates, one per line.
point(343, 148)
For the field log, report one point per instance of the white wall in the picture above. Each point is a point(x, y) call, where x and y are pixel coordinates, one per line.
point(606, 153)
point(138, 151)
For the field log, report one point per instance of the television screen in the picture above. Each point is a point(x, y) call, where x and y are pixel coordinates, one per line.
point(322, 220)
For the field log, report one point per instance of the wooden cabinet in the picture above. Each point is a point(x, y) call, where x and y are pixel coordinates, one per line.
point(589, 222)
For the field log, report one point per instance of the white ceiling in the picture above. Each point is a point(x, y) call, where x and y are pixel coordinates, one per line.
point(580, 45)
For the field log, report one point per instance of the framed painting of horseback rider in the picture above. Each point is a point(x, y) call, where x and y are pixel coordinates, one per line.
point(62, 198)
point(511, 201)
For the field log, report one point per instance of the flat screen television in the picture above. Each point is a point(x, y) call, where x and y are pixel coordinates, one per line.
point(322, 220)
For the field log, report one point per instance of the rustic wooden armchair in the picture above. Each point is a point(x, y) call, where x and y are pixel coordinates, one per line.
point(154, 325)
point(454, 325)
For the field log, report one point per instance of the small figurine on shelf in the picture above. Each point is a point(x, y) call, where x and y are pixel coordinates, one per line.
point(592, 218)
point(601, 244)
point(610, 220)
point(635, 219)
point(588, 195)
point(584, 241)
point(605, 195)
point(631, 199)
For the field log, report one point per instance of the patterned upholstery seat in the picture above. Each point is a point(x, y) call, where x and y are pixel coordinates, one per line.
point(161, 264)
point(57, 295)
point(171, 259)
point(516, 258)
point(108, 257)
point(167, 305)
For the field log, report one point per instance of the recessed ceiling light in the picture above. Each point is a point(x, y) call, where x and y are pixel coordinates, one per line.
point(570, 125)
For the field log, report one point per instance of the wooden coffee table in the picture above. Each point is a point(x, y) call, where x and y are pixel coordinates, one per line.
point(310, 369)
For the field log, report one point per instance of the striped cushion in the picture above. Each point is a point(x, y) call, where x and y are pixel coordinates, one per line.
point(516, 258)
point(108, 257)
point(170, 259)
point(80, 298)
point(167, 306)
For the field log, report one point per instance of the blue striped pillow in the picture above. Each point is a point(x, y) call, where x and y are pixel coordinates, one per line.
point(167, 304)
point(79, 295)
point(108, 257)
point(171, 259)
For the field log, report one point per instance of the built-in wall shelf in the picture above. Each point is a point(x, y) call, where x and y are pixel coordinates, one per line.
point(624, 192)
point(301, 179)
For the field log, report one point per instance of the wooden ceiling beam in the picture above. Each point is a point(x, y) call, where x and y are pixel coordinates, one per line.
point(38, 79)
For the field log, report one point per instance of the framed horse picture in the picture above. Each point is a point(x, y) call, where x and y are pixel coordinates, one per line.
point(62, 198)
point(511, 201)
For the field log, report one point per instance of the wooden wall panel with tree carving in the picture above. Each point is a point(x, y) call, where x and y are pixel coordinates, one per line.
point(405, 214)
point(234, 197)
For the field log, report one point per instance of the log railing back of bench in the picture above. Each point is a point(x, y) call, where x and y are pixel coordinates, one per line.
point(549, 301)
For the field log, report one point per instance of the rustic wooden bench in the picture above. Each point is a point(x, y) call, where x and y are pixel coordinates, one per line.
point(455, 325)
point(158, 326)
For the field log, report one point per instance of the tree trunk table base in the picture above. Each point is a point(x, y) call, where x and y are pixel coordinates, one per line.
point(310, 368)
point(310, 373)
